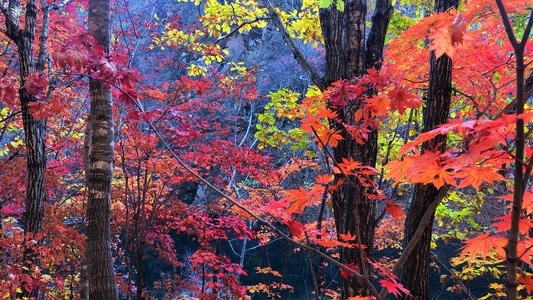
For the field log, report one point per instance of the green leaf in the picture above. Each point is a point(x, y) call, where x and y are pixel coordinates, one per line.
point(325, 3)
point(340, 5)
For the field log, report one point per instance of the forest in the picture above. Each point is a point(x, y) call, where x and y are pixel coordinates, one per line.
point(266, 149)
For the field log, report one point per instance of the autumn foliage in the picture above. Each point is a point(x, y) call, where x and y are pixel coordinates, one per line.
point(209, 166)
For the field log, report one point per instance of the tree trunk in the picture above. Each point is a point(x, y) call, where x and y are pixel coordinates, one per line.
point(100, 273)
point(348, 58)
point(415, 273)
point(34, 130)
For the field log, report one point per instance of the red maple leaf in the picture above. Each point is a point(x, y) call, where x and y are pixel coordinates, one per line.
point(504, 224)
point(345, 273)
point(527, 281)
point(401, 99)
point(75, 59)
point(475, 175)
point(35, 84)
point(483, 244)
point(324, 179)
point(343, 92)
point(394, 287)
point(8, 92)
point(394, 209)
point(302, 198)
point(295, 228)
point(39, 110)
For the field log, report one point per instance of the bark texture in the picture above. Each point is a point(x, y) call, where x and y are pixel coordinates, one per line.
point(415, 273)
point(98, 259)
point(348, 56)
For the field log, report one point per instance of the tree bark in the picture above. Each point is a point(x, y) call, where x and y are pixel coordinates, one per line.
point(98, 259)
point(415, 273)
point(348, 58)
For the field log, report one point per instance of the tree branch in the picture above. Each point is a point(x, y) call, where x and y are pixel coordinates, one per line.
point(418, 234)
point(232, 32)
point(315, 77)
point(12, 30)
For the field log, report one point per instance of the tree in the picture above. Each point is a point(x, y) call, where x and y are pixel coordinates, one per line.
point(415, 273)
point(30, 69)
point(458, 165)
point(348, 57)
point(100, 271)
point(523, 165)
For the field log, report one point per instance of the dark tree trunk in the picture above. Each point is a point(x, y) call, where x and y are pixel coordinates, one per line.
point(348, 58)
point(34, 129)
point(415, 273)
point(100, 273)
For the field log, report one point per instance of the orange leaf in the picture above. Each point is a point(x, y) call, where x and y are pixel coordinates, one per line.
point(527, 202)
point(525, 251)
point(349, 165)
point(324, 178)
point(302, 198)
point(441, 42)
point(334, 243)
point(425, 169)
point(326, 113)
point(378, 104)
point(475, 175)
point(347, 237)
point(483, 244)
point(333, 139)
point(398, 169)
point(453, 125)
